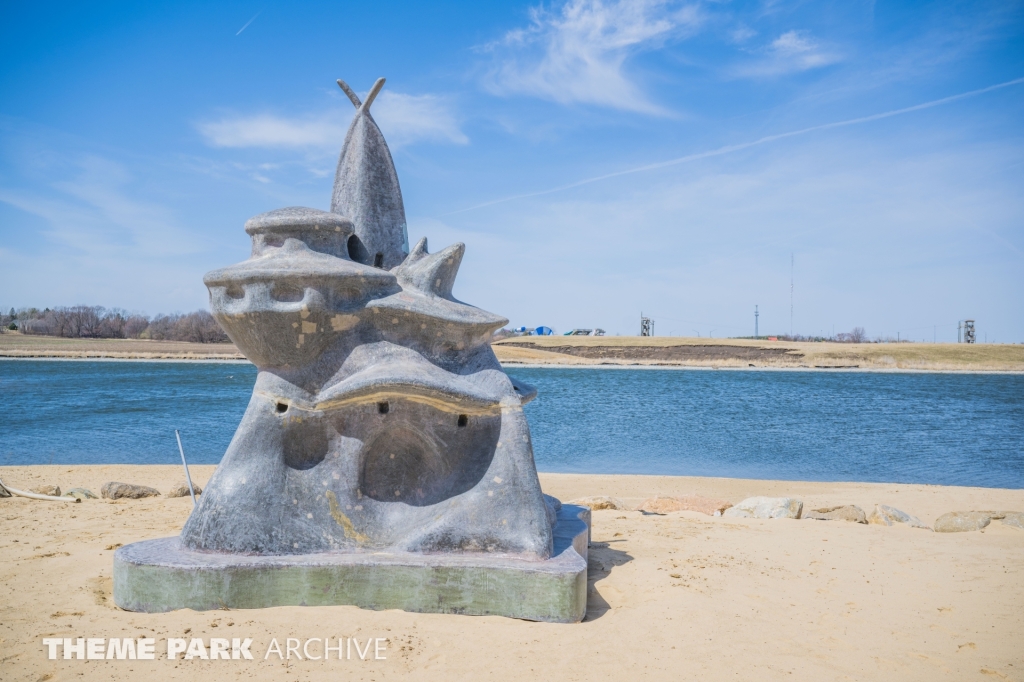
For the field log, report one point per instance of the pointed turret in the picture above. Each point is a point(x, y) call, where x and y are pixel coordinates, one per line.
point(432, 274)
point(366, 190)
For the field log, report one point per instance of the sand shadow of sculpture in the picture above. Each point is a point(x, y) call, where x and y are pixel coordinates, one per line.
point(601, 561)
point(380, 418)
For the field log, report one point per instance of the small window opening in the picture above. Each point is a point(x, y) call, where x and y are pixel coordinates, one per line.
point(281, 408)
point(383, 407)
point(463, 420)
point(378, 260)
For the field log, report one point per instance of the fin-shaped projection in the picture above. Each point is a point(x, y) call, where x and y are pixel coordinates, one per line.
point(366, 189)
point(431, 273)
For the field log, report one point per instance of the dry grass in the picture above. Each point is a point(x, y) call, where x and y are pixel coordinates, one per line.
point(581, 350)
point(15, 345)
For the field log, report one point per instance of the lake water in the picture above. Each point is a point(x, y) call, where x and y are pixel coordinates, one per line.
point(952, 429)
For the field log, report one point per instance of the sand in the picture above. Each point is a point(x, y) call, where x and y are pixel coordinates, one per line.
point(677, 597)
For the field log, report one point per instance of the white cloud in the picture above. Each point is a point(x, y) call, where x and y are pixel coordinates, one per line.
point(579, 53)
point(404, 120)
point(268, 130)
point(793, 51)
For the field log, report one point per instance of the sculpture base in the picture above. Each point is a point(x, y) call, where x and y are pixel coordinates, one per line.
point(159, 575)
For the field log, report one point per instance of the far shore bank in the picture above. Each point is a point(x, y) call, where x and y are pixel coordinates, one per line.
point(599, 352)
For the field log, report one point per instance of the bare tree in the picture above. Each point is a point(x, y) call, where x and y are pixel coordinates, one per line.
point(97, 322)
point(135, 325)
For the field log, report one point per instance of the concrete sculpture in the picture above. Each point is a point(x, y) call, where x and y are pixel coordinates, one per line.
point(384, 459)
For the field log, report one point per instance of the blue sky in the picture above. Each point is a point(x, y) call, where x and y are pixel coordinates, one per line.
point(598, 159)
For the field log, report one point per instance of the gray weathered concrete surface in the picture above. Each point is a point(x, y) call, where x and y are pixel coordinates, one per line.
point(161, 575)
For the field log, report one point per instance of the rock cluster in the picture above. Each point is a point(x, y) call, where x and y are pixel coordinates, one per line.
point(766, 508)
point(183, 491)
point(846, 512)
point(117, 491)
point(81, 494)
point(705, 505)
point(965, 521)
point(884, 515)
point(597, 502)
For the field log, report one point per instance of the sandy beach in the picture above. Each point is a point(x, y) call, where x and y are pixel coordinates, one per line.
point(679, 596)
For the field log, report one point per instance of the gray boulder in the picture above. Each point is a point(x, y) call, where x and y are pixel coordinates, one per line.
point(598, 502)
point(116, 491)
point(848, 512)
point(884, 515)
point(706, 505)
point(1014, 519)
point(962, 521)
point(766, 508)
point(182, 490)
point(51, 490)
point(81, 494)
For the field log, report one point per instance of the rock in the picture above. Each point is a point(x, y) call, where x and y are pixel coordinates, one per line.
point(766, 508)
point(3, 492)
point(182, 491)
point(1015, 519)
point(962, 522)
point(116, 491)
point(81, 494)
point(884, 515)
point(51, 490)
point(598, 502)
point(847, 512)
point(705, 505)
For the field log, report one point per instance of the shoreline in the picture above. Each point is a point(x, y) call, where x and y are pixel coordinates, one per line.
point(542, 365)
point(716, 480)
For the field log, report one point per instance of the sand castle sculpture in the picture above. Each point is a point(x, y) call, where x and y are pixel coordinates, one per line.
point(384, 459)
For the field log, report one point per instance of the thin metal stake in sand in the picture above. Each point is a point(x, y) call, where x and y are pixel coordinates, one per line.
point(188, 477)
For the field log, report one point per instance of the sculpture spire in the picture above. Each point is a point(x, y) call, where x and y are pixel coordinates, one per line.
point(366, 189)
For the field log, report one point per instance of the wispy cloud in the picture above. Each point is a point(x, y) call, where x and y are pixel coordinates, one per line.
point(249, 22)
point(728, 149)
point(579, 53)
point(792, 51)
point(96, 213)
point(404, 119)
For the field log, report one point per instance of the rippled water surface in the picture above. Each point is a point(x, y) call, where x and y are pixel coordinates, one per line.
point(954, 429)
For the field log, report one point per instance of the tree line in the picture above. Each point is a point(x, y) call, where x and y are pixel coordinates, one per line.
point(97, 322)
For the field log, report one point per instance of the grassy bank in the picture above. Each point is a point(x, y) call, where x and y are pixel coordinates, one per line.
point(699, 352)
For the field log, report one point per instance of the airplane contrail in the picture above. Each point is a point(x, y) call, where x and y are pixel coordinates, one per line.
point(746, 145)
point(249, 22)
